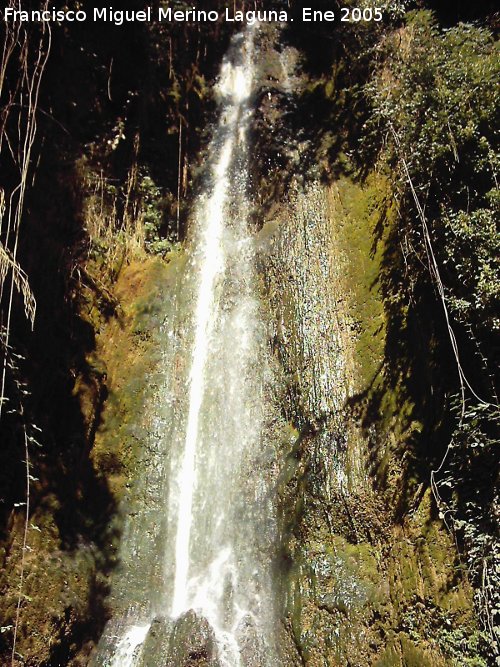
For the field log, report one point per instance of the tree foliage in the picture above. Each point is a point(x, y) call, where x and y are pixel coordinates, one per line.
point(439, 91)
point(434, 101)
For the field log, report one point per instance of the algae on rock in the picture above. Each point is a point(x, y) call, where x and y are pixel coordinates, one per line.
point(365, 585)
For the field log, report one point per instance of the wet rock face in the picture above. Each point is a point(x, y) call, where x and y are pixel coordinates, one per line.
point(189, 642)
point(156, 647)
point(192, 643)
point(253, 651)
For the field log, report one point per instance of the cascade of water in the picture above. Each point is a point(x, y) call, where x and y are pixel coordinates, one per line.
point(127, 648)
point(211, 265)
point(204, 542)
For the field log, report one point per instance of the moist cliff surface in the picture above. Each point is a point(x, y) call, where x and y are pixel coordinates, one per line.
point(385, 556)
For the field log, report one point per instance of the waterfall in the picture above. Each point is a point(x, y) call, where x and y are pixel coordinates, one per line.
point(211, 266)
point(198, 552)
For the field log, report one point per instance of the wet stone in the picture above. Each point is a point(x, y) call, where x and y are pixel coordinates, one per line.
point(253, 650)
point(155, 650)
point(192, 643)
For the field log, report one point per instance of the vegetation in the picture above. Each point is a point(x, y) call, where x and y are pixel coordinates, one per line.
point(415, 101)
point(99, 133)
point(434, 103)
point(97, 169)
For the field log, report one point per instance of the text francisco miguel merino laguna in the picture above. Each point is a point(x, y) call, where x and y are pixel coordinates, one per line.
point(163, 14)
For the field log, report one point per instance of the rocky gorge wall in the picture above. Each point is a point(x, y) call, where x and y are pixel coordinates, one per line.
point(366, 572)
point(370, 575)
point(65, 597)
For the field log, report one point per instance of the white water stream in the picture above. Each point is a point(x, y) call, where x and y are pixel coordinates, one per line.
point(235, 88)
point(209, 531)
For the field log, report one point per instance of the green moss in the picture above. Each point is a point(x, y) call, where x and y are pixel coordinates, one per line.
point(333, 586)
point(414, 656)
point(57, 584)
point(391, 657)
point(63, 585)
point(362, 212)
point(463, 645)
point(130, 350)
point(398, 590)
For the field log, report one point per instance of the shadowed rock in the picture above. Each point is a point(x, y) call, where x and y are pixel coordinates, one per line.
point(193, 643)
point(189, 642)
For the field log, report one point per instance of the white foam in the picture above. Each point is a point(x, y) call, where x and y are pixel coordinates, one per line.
point(235, 86)
point(127, 650)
